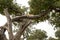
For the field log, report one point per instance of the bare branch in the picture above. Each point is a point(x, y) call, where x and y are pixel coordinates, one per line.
point(9, 22)
point(27, 17)
point(21, 31)
point(43, 13)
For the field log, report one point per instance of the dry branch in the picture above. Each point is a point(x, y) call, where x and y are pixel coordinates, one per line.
point(9, 22)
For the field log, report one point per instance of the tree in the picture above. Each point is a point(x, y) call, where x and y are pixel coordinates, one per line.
point(37, 35)
point(57, 34)
point(2, 35)
point(40, 10)
point(52, 38)
point(44, 7)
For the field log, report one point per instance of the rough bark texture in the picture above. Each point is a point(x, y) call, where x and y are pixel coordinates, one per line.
point(33, 17)
point(2, 35)
point(9, 24)
point(21, 31)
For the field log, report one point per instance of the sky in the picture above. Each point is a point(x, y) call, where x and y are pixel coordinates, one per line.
point(41, 25)
point(46, 26)
point(23, 2)
point(3, 20)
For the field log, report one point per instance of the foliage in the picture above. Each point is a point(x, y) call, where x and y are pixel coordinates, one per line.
point(57, 33)
point(50, 38)
point(37, 35)
point(37, 6)
point(13, 8)
point(40, 6)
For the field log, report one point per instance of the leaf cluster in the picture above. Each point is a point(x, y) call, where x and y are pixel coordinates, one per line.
point(37, 35)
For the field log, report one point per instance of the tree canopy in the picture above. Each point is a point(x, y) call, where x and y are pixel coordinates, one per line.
point(40, 10)
point(37, 35)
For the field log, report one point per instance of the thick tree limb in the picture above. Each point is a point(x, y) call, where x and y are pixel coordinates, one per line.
point(9, 22)
point(57, 9)
point(43, 13)
point(28, 17)
point(21, 31)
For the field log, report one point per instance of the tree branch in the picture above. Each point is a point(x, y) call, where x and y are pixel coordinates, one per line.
point(9, 22)
point(21, 31)
point(43, 13)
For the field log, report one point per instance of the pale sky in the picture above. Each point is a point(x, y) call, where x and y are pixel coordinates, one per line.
point(46, 26)
point(23, 2)
point(42, 25)
point(3, 20)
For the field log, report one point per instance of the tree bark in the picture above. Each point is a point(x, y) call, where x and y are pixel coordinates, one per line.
point(9, 22)
point(21, 31)
point(2, 35)
point(43, 13)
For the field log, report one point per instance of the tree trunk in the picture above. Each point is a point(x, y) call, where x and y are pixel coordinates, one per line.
point(9, 22)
